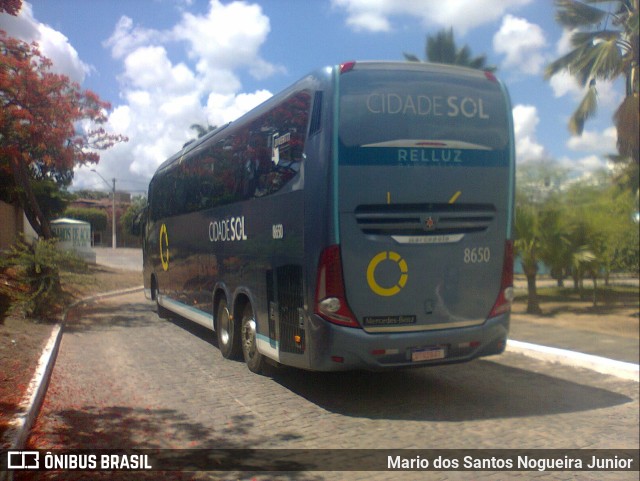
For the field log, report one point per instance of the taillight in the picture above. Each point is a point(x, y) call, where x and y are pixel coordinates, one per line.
point(505, 296)
point(489, 76)
point(331, 302)
point(347, 67)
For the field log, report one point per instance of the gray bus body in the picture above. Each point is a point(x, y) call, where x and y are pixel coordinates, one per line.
point(361, 219)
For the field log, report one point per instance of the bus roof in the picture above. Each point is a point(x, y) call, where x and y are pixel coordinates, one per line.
point(359, 65)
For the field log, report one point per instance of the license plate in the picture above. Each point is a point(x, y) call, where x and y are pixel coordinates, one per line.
point(427, 354)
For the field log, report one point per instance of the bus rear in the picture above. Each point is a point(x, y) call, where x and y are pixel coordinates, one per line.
point(423, 183)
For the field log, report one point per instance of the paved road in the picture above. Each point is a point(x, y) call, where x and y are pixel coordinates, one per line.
point(121, 258)
point(125, 378)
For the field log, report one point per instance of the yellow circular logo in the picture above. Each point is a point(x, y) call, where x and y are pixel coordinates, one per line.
point(371, 273)
point(164, 247)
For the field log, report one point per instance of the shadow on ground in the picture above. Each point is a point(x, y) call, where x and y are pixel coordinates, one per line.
point(464, 392)
point(478, 390)
point(182, 444)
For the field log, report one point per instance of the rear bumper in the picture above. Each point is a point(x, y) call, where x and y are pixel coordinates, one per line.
point(337, 348)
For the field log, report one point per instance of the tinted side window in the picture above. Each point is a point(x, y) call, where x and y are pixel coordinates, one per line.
point(275, 146)
point(257, 159)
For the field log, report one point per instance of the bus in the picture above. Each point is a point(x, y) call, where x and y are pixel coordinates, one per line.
point(360, 219)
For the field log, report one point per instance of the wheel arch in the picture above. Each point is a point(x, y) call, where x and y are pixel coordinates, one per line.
point(241, 298)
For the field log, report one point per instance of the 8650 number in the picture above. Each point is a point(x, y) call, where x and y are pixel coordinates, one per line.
point(477, 255)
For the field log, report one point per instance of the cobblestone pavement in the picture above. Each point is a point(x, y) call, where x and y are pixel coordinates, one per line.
point(125, 378)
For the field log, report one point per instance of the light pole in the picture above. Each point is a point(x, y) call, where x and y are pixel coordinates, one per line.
point(113, 219)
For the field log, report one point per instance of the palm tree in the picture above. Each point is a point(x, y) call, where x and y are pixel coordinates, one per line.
point(442, 48)
point(604, 47)
point(555, 249)
point(201, 130)
point(527, 245)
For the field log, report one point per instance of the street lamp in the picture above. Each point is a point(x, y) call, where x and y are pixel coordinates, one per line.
point(113, 220)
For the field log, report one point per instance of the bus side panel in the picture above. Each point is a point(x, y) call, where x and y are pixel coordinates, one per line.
point(319, 222)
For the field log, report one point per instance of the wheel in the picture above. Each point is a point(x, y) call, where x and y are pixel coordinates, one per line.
point(228, 332)
point(254, 360)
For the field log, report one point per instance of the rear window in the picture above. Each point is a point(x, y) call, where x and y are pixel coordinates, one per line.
point(416, 108)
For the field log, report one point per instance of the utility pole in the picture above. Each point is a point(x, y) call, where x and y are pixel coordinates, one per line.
point(113, 217)
point(113, 224)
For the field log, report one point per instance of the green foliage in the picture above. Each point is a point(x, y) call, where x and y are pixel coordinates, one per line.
point(604, 46)
point(540, 183)
point(442, 48)
point(582, 229)
point(39, 266)
point(96, 217)
point(53, 199)
point(91, 194)
point(133, 212)
point(527, 246)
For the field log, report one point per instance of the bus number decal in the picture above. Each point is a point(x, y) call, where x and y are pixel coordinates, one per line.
point(477, 255)
point(277, 231)
point(164, 247)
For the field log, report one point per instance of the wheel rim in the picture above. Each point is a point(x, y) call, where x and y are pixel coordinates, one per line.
point(224, 326)
point(249, 337)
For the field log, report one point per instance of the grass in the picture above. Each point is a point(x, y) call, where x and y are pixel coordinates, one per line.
point(614, 295)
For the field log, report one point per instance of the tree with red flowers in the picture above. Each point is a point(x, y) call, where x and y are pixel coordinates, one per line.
point(48, 126)
point(12, 7)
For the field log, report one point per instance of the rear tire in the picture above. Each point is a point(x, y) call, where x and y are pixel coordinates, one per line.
point(254, 360)
point(228, 332)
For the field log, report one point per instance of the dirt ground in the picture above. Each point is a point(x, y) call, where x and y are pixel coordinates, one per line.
point(618, 320)
point(22, 340)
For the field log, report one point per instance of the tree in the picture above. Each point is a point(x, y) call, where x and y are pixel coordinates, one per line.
point(442, 48)
point(12, 7)
point(133, 212)
point(96, 217)
point(39, 112)
point(527, 245)
point(555, 249)
point(201, 130)
point(604, 47)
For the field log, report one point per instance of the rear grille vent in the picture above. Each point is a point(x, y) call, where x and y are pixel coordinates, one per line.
point(424, 219)
point(290, 301)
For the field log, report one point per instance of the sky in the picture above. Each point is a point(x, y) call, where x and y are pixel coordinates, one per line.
point(167, 64)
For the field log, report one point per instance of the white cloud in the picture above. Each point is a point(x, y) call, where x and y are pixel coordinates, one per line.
point(53, 44)
point(584, 165)
point(126, 38)
point(564, 83)
point(227, 37)
point(564, 43)
point(163, 98)
point(592, 141)
point(522, 43)
point(596, 145)
point(462, 15)
point(526, 120)
point(223, 108)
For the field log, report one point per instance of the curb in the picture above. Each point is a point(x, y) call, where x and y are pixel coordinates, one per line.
point(29, 406)
point(34, 395)
point(603, 365)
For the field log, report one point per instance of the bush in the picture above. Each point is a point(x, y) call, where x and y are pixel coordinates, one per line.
point(5, 302)
point(96, 217)
point(38, 268)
